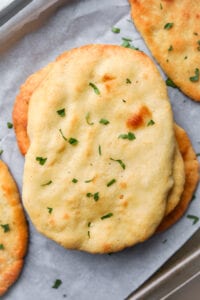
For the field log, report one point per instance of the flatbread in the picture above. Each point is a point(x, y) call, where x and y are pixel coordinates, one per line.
point(20, 115)
point(13, 231)
point(191, 179)
point(98, 216)
point(171, 30)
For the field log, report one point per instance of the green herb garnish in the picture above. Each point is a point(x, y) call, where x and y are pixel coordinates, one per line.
point(62, 135)
point(74, 180)
point(1, 247)
point(150, 123)
point(194, 218)
point(129, 136)
point(61, 112)
point(1, 152)
point(5, 227)
point(161, 7)
point(111, 182)
point(95, 88)
point(193, 197)
point(87, 117)
point(185, 57)
point(88, 234)
point(170, 48)
point(169, 82)
point(73, 141)
point(90, 180)
point(116, 30)
point(128, 80)
point(89, 223)
point(41, 160)
point(9, 125)
point(48, 183)
point(120, 162)
point(96, 196)
point(168, 26)
point(197, 154)
point(126, 39)
point(104, 122)
point(106, 216)
point(50, 209)
point(195, 78)
point(57, 283)
point(99, 149)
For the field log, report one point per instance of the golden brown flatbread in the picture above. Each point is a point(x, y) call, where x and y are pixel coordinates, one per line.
point(13, 231)
point(191, 179)
point(171, 30)
point(98, 129)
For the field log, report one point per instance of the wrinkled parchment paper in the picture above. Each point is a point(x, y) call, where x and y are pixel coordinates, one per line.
point(84, 276)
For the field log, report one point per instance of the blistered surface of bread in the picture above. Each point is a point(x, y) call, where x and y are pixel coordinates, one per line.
point(136, 202)
point(13, 240)
point(191, 178)
point(177, 48)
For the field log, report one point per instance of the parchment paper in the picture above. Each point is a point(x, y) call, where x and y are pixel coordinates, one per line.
point(83, 276)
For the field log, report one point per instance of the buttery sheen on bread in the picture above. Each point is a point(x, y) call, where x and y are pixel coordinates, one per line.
point(99, 167)
point(171, 30)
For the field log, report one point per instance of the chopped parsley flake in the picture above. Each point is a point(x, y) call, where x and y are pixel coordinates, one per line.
point(170, 48)
point(195, 78)
point(62, 135)
point(61, 112)
point(104, 122)
point(48, 183)
point(1, 151)
point(106, 216)
point(5, 227)
point(185, 57)
point(111, 182)
point(96, 196)
point(41, 160)
point(74, 180)
point(194, 218)
point(129, 136)
point(126, 44)
point(150, 123)
point(87, 117)
point(90, 180)
point(124, 100)
point(198, 154)
point(99, 149)
point(126, 39)
point(193, 197)
point(169, 82)
point(161, 7)
point(116, 30)
point(88, 234)
point(1, 247)
point(89, 223)
point(73, 141)
point(50, 209)
point(9, 125)
point(168, 26)
point(57, 283)
point(95, 88)
point(120, 162)
point(128, 80)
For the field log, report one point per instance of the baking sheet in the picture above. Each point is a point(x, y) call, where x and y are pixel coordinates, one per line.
point(84, 276)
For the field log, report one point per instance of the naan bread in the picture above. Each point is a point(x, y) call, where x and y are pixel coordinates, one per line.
point(99, 167)
point(171, 30)
point(191, 165)
point(13, 231)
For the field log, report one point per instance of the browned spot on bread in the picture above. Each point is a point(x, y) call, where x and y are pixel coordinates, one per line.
point(108, 77)
point(139, 118)
point(125, 203)
point(121, 196)
point(106, 247)
point(123, 185)
point(66, 216)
